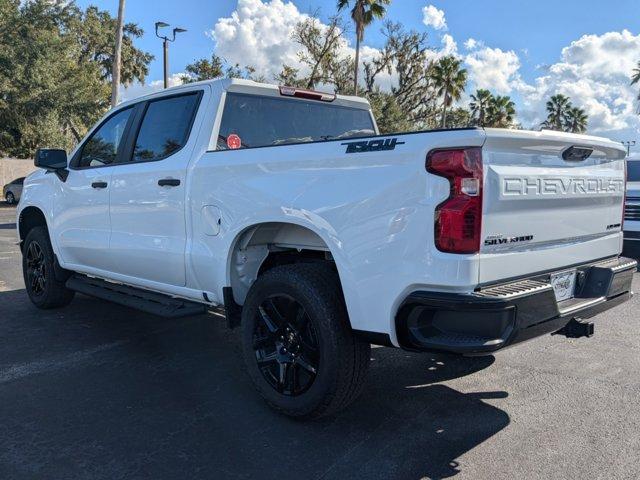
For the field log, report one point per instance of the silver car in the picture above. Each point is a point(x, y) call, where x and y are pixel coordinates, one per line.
point(11, 191)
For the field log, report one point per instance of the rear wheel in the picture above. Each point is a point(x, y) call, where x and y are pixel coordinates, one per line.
point(10, 198)
point(297, 343)
point(44, 290)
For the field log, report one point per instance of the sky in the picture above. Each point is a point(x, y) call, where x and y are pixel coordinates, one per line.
point(529, 50)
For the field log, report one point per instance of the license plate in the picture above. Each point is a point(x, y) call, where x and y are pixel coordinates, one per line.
point(564, 284)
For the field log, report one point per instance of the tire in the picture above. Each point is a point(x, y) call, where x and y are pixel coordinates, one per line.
point(10, 198)
point(44, 290)
point(294, 319)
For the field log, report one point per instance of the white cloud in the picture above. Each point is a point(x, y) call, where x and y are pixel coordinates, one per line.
point(595, 72)
point(258, 33)
point(493, 69)
point(434, 17)
point(472, 43)
point(448, 46)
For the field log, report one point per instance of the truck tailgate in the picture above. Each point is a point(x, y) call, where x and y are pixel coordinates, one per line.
point(542, 211)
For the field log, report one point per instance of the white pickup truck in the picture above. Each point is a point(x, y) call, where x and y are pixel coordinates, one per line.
point(320, 237)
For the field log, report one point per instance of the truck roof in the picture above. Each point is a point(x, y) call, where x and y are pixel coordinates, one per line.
point(240, 85)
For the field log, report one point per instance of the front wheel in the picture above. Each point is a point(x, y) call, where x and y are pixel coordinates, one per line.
point(297, 344)
point(44, 290)
point(10, 198)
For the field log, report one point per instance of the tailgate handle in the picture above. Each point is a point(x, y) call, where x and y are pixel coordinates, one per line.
point(577, 154)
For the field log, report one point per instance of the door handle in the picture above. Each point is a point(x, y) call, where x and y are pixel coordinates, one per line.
point(99, 184)
point(169, 182)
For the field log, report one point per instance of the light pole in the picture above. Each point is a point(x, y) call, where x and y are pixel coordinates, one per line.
point(629, 144)
point(165, 48)
point(117, 58)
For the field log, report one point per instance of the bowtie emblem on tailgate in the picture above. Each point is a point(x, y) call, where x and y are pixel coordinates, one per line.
point(376, 145)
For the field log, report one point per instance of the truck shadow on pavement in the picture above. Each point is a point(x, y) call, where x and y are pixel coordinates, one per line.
point(100, 391)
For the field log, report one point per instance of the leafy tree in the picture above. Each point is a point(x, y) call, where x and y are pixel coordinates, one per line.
point(576, 120)
point(55, 68)
point(389, 114)
point(321, 45)
point(405, 53)
point(290, 76)
point(557, 109)
point(458, 117)
point(450, 80)
point(247, 72)
point(95, 32)
point(479, 106)
point(216, 67)
point(501, 112)
point(204, 69)
point(363, 13)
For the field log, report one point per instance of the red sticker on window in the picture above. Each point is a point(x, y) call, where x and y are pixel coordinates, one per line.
point(233, 141)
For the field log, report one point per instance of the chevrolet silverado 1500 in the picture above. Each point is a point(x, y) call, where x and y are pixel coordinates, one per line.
point(320, 237)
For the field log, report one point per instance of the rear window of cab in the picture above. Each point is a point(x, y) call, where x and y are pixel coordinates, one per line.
point(250, 121)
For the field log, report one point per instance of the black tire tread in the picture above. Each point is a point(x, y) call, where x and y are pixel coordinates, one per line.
point(361, 351)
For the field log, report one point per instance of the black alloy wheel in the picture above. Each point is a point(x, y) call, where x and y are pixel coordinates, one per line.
point(36, 269)
point(286, 345)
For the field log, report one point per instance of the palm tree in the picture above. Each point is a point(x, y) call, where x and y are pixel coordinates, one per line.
point(635, 78)
point(450, 81)
point(557, 109)
point(501, 112)
point(576, 120)
point(362, 14)
point(479, 105)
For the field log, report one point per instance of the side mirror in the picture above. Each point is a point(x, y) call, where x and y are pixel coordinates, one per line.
point(52, 160)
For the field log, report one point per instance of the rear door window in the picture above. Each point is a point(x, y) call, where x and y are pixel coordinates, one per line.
point(165, 128)
point(255, 121)
point(633, 171)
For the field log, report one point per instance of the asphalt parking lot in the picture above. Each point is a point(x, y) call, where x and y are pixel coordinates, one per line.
point(99, 391)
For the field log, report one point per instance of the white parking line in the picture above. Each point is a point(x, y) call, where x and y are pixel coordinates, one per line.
point(16, 372)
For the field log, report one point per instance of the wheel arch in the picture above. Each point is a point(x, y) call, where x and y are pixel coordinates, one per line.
point(261, 246)
point(29, 218)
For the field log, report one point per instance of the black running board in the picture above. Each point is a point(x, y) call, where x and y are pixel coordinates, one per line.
point(150, 302)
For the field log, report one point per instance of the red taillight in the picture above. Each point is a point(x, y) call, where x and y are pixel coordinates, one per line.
point(458, 219)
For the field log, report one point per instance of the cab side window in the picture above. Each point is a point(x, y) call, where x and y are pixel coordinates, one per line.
point(165, 127)
point(102, 147)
